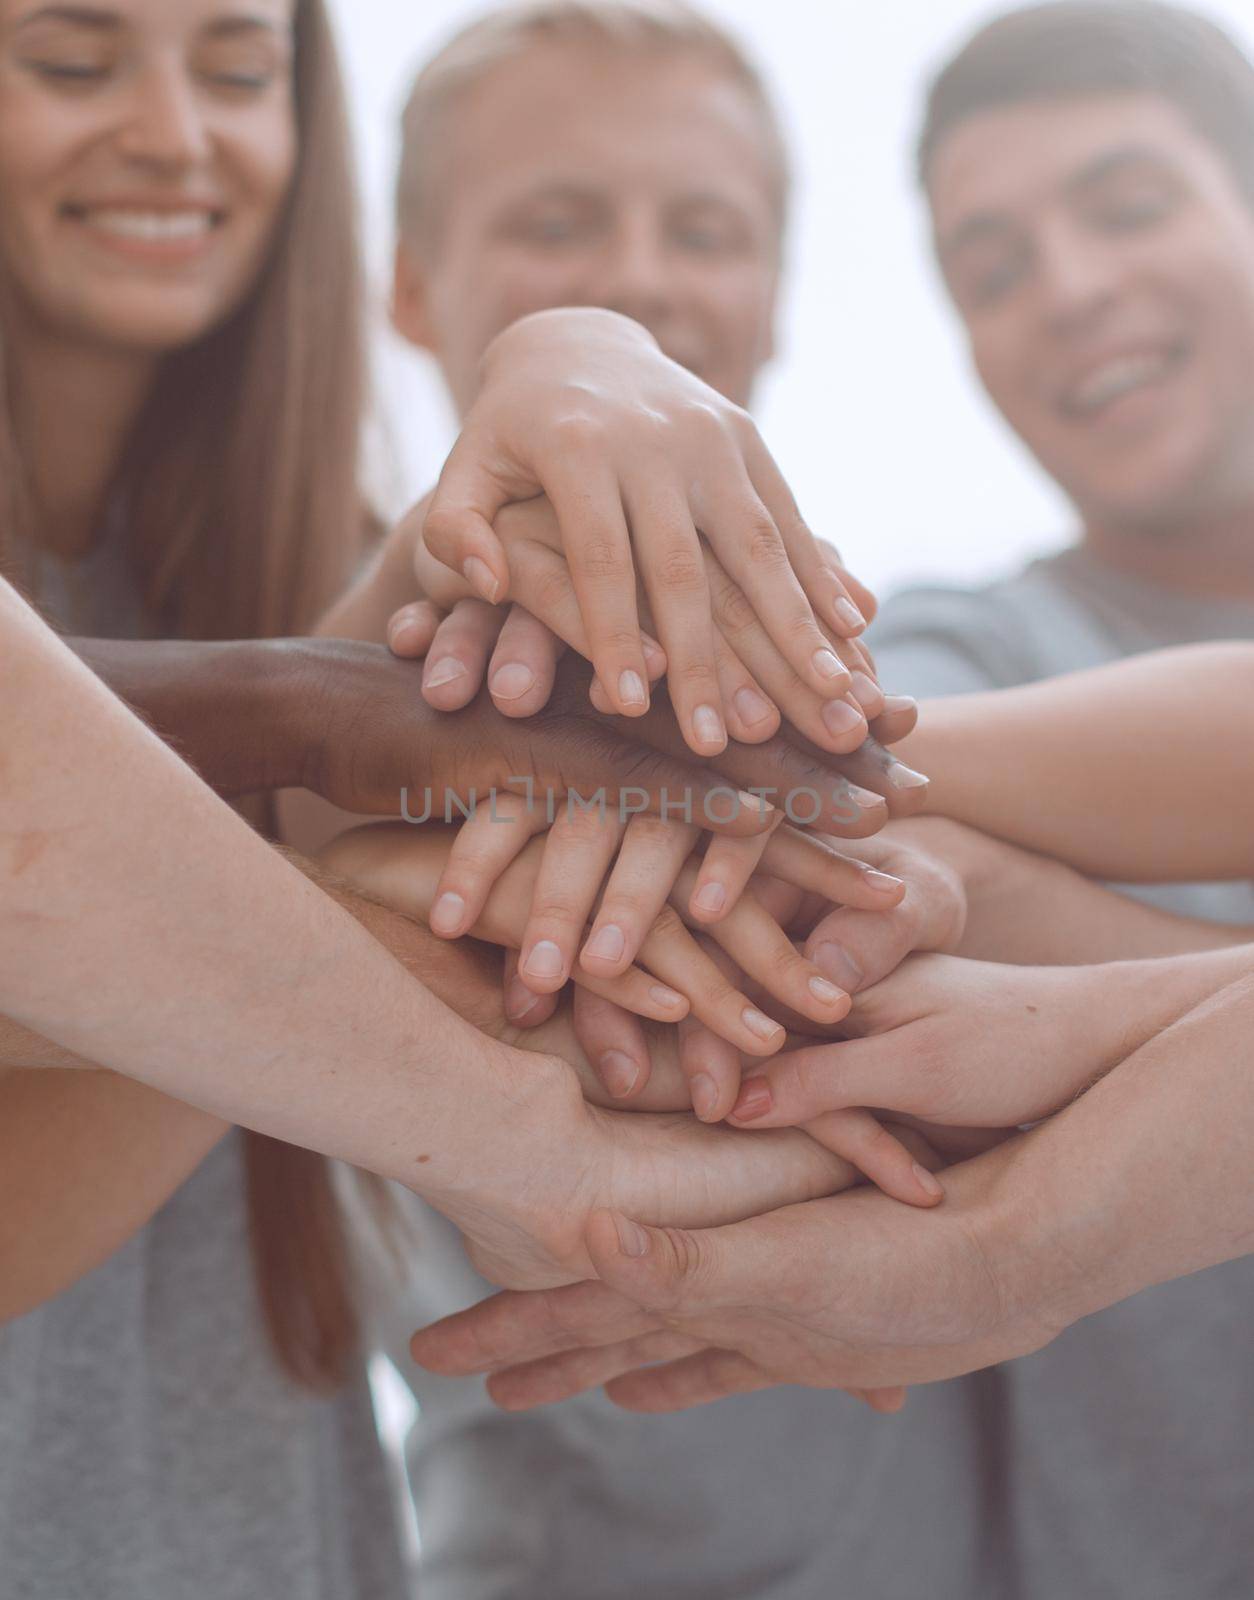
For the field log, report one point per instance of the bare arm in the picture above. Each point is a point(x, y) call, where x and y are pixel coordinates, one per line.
point(1034, 911)
point(144, 926)
point(1074, 767)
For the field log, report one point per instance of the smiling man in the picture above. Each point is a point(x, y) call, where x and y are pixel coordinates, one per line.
point(1089, 168)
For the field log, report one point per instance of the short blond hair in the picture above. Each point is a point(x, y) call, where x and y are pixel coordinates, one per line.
point(668, 26)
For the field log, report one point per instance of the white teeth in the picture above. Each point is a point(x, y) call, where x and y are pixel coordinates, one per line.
point(1116, 378)
point(152, 225)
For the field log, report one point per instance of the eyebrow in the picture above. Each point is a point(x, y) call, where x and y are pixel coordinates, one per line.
point(982, 225)
point(103, 20)
point(79, 16)
point(1112, 162)
point(974, 230)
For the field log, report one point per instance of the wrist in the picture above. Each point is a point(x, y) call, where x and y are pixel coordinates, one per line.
point(531, 1129)
point(224, 706)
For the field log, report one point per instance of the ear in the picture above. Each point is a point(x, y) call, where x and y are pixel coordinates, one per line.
point(411, 308)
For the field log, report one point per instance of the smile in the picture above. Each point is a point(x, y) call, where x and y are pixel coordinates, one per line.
point(1118, 376)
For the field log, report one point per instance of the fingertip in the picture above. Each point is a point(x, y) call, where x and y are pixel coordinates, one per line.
point(930, 1185)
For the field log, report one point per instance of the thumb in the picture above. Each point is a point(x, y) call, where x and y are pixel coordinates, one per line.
point(458, 528)
point(655, 1267)
point(681, 1272)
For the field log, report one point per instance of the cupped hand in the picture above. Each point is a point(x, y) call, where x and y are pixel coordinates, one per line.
point(954, 1042)
point(636, 454)
point(853, 1292)
point(756, 680)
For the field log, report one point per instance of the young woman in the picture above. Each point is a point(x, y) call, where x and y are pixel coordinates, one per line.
point(180, 397)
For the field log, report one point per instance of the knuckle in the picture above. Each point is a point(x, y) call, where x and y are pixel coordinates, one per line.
point(652, 833)
point(667, 925)
point(548, 590)
point(604, 557)
point(680, 570)
point(552, 907)
point(693, 672)
point(579, 429)
point(733, 611)
point(443, 527)
point(763, 546)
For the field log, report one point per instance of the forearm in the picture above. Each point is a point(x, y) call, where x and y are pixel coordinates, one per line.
point(144, 926)
point(227, 708)
point(1030, 910)
point(87, 1158)
point(1137, 772)
point(1146, 1177)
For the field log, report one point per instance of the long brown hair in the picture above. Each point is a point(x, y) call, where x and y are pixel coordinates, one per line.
point(243, 503)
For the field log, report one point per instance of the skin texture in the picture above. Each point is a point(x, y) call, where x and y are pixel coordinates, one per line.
point(1072, 766)
point(1071, 232)
point(556, 183)
point(1143, 1179)
point(99, 955)
point(159, 107)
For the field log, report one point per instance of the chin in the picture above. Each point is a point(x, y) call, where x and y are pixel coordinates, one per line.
point(154, 324)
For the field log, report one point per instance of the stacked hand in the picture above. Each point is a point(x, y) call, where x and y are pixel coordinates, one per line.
point(638, 455)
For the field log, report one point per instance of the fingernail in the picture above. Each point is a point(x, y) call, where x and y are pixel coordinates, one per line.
point(544, 960)
point(841, 718)
point(443, 672)
point(847, 614)
point(512, 681)
point(519, 1001)
point(756, 803)
point(399, 628)
point(631, 689)
point(903, 777)
point(753, 1101)
point(708, 726)
point(711, 899)
point(927, 1181)
point(663, 996)
point(608, 943)
point(881, 882)
point(619, 1073)
point(632, 1239)
point(751, 706)
point(828, 664)
point(826, 992)
point(900, 702)
point(865, 690)
point(865, 799)
point(839, 965)
point(447, 913)
point(759, 1024)
point(652, 649)
point(704, 1095)
point(479, 575)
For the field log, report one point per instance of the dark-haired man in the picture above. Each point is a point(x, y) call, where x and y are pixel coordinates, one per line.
point(1089, 167)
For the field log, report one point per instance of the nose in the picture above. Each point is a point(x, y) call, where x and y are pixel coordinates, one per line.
point(634, 275)
point(1080, 274)
point(165, 127)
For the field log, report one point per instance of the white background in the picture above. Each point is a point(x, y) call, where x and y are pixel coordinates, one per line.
point(870, 408)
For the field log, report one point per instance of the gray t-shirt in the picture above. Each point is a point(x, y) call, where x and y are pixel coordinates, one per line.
point(150, 1446)
point(1118, 1464)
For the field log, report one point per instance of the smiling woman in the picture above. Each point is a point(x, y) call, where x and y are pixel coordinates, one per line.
point(180, 393)
point(167, 174)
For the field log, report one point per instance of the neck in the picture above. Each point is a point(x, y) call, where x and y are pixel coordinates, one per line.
point(74, 405)
point(1209, 555)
